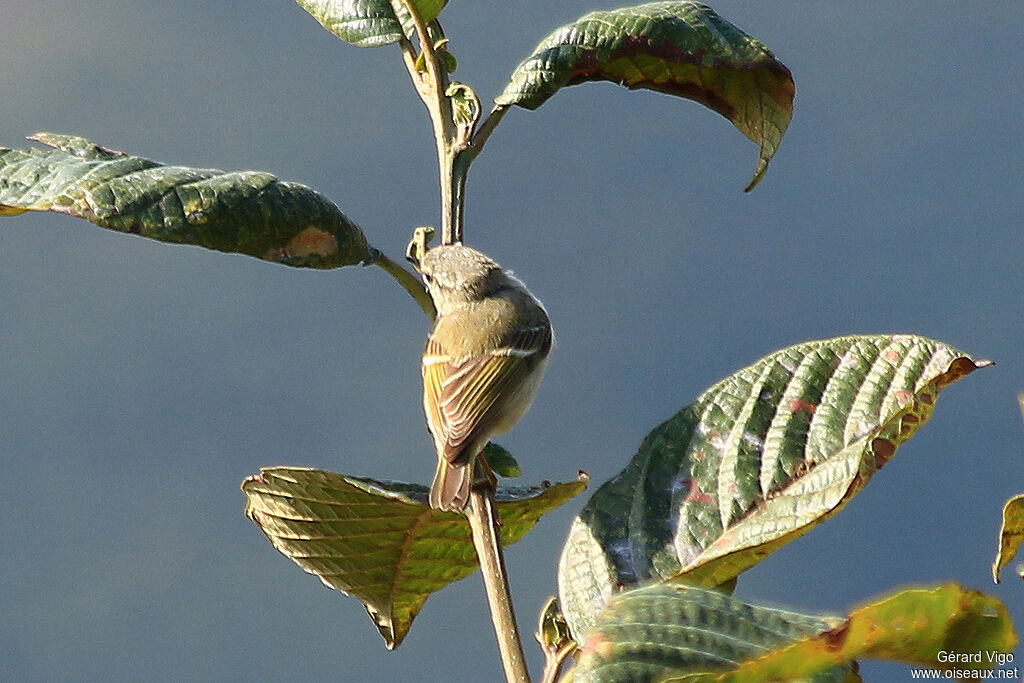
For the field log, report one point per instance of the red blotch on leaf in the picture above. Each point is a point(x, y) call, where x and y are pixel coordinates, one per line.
point(904, 396)
point(797, 405)
point(695, 494)
point(598, 644)
point(835, 638)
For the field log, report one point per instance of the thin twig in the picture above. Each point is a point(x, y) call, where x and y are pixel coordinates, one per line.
point(426, 47)
point(555, 661)
point(432, 87)
point(463, 156)
point(409, 55)
point(483, 132)
point(409, 282)
point(483, 520)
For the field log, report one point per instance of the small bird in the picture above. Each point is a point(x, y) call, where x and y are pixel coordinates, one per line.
point(482, 363)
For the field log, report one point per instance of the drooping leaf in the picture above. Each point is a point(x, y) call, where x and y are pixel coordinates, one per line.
point(655, 632)
point(369, 23)
point(246, 212)
point(380, 541)
point(758, 460)
point(913, 626)
point(1011, 535)
point(679, 48)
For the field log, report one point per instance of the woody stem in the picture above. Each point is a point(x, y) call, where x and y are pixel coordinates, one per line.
point(483, 520)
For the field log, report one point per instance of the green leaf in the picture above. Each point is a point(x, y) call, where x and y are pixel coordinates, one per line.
point(501, 461)
point(246, 212)
point(369, 23)
point(758, 460)
point(664, 630)
point(552, 631)
point(913, 626)
point(679, 48)
point(380, 541)
point(1011, 535)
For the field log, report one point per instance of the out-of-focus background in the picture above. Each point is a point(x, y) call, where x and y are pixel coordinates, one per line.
point(143, 381)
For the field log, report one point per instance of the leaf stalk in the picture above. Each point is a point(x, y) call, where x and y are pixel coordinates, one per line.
point(408, 281)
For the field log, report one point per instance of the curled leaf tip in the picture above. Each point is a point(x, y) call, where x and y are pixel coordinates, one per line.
point(678, 48)
point(762, 168)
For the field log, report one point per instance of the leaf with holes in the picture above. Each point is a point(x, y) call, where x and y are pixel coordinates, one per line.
point(380, 541)
point(757, 461)
point(913, 626)
point(369, 23)
point(244, 212)
point(663, 630)
point(679, 48)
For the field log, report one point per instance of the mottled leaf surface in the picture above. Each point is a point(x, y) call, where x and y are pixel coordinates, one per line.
point(756, 461)
point(246, 212)
point(368, 23)
point(912, 626)
point(656, 632)
point(380, 541)
point(1011, 535)
point(679, 48)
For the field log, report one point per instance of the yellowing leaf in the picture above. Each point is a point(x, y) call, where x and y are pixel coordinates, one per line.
point(1011, 535)
point(380, 541)
point(921, 626)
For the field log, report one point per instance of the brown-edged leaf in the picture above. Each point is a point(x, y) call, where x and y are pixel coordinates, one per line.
point(246, 212)
point(758, 460)
point(679, 48)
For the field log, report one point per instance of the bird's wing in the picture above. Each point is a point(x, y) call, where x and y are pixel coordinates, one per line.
point(461, 394)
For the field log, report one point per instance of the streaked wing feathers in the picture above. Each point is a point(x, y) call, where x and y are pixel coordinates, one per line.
point(461, 394)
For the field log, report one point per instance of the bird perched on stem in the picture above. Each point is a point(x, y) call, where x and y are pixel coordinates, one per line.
point(482, 363)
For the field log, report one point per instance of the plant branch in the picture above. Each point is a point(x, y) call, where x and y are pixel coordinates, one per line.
point(456, 149)
point(408, 281)
point(468, 146)
point(483, 520)
point(555, 661)
point(432, 85)
point(434, 70)
point(458, 141)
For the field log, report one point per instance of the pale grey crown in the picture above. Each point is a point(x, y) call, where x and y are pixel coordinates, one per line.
point(456, 272)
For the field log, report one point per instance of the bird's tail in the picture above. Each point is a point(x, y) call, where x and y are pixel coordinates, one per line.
point(450, 490)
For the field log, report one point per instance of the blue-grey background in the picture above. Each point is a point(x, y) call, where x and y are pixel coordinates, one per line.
point(141, 381)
